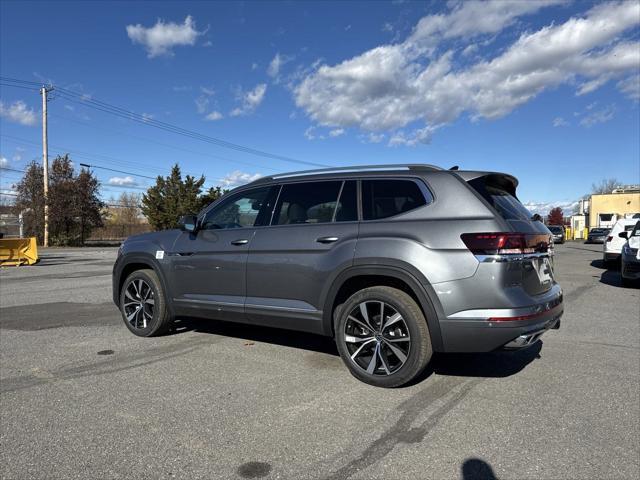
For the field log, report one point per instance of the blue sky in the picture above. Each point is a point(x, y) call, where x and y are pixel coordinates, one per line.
point(547, 91)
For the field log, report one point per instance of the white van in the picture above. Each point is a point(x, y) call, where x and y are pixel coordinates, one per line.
point(612, 247)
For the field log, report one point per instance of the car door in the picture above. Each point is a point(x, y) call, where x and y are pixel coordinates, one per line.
point(208, 267)
point(312, 236)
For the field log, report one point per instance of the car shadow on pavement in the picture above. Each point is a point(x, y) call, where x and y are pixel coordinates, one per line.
point(497, 364)
point(611, 275)
point(256, 333)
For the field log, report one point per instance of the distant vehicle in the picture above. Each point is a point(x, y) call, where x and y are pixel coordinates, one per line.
point(612, 247)
point(630, 269)
point(597, 235)
point(558, 233)
point(393, 262)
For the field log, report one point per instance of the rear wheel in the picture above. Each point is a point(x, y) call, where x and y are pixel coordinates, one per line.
point(382, 337)
point(143, 304)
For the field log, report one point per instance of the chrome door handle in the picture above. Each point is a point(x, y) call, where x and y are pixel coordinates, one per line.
point(243, 241)
point(327, 239)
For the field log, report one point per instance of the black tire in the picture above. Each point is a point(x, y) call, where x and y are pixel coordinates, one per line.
point(155, 321)
point(385, 374)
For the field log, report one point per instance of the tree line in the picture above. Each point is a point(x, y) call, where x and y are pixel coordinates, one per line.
point(76, 208)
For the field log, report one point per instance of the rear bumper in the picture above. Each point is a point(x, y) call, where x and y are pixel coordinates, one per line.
point(490, 329)
point(610, 256)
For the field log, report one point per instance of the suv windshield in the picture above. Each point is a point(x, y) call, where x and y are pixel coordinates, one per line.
point(555, 229)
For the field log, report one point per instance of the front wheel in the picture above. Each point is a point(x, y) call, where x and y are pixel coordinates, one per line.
point(143, 304)
point(382, 337)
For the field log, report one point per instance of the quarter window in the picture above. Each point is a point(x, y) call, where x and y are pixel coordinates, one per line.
point(310, 202)
point(386, 198)
point(238, 211)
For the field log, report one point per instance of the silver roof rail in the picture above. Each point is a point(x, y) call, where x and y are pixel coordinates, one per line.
point(357, 168)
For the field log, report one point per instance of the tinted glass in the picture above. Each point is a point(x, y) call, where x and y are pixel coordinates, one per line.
point(386, 198)
point(347, 210)
point(236, 212)
point(556, 229)
point(310, 202)
point(507, 205)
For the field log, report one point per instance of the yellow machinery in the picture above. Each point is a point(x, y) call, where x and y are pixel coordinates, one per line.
point(18, 251)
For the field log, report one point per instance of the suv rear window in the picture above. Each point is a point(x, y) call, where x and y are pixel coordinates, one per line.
point(386, 198)
point(501, 198)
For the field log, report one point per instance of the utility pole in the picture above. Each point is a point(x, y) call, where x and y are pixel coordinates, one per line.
point(45, 162)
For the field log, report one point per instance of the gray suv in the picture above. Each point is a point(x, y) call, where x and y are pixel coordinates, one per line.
point(394, 262)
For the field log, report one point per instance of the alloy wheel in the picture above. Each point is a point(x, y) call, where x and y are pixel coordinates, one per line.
point(139, 303)
point(377, 338)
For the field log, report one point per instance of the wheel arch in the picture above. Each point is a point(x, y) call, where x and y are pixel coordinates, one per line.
point(131, 263)
point(359, 277)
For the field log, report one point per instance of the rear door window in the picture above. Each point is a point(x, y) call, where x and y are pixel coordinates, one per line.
point(308, 202)
point(386, 198)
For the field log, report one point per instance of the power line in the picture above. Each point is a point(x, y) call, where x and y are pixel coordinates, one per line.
point(90, 102)
point(117, 171)
point(96, 156)
point(188, 150)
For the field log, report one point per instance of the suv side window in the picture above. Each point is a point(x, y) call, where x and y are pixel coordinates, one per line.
point(386, 198)
point(309, 202)
point(239, 211)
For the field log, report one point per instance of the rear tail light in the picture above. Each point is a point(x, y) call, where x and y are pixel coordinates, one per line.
point(506, 243)
point(609, 238)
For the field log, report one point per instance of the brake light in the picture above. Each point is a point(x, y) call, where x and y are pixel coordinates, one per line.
point(506, 243)
point(609, 238)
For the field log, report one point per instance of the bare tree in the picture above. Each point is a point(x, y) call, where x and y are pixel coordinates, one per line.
point(126, 211)
point(606, 185)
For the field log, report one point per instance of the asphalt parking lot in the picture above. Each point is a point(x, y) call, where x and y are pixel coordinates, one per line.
point(81, 397)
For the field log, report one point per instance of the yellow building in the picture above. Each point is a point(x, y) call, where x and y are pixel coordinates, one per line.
point(606, 209)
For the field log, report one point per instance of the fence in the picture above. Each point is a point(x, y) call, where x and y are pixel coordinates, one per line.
point(116, 233)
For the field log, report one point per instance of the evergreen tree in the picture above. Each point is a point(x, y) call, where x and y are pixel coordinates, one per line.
point(170, 198)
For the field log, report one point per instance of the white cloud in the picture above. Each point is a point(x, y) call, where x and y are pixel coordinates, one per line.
point(250, 100)
point(598, 116)
point(310, 134)
point(630, 87)
point(147, 116)
point(237, 177)
point(387, 27)
point(213, 116)
point(202, 102)
point(163, 37)
point(3, 161)
point(560, 122)
point(123, 181)
point(372, 137)
point(394, 85)
point(336, 132)
point(254, 66)
point(18, 112)
point(276, 64)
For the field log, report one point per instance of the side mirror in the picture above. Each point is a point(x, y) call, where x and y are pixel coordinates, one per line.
point(188, 223)
point(623, 235)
